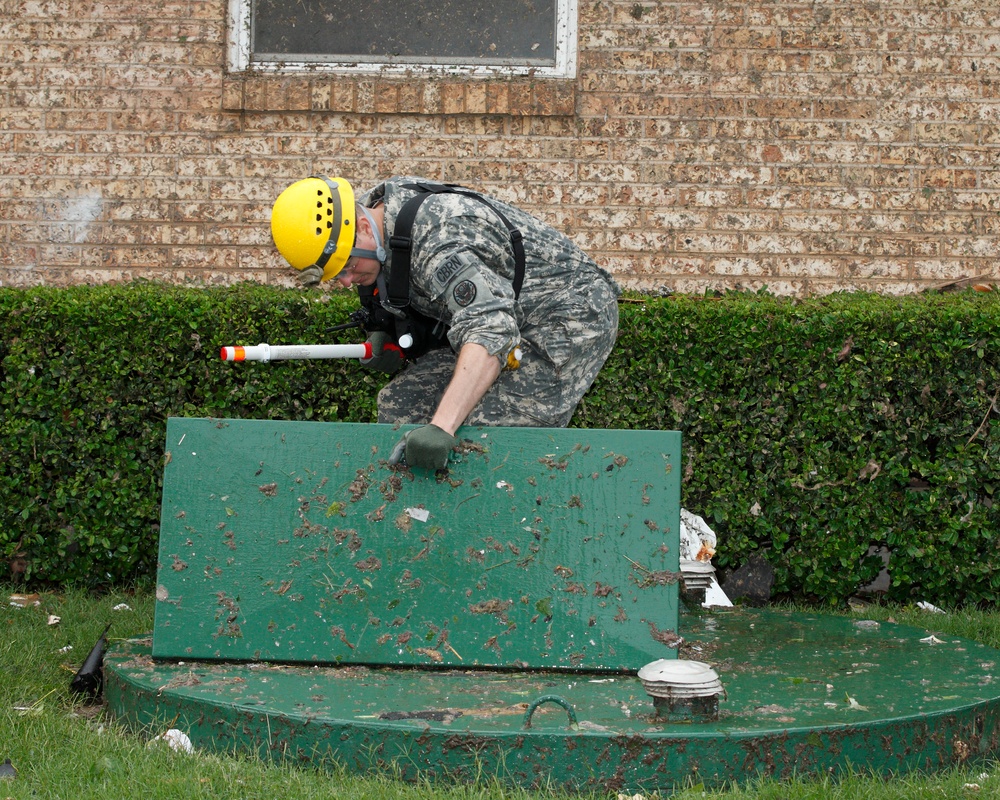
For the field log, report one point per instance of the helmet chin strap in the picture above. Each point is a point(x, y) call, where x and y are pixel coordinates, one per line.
point(378, 253)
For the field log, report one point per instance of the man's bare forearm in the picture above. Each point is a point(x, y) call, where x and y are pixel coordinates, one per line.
point(475, 372)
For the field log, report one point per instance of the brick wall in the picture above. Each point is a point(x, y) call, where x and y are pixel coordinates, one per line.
point(805, 146)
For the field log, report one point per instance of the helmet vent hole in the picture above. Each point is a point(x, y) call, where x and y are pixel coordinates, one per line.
point(319, 232)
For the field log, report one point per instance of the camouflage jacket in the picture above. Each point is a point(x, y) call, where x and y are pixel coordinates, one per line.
point(462, 270)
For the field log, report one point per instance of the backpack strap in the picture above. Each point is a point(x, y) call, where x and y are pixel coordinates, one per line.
point(398, 290)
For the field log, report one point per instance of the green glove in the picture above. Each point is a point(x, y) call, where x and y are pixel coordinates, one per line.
point(428, 447)
point(386, 355)
point(311, 276)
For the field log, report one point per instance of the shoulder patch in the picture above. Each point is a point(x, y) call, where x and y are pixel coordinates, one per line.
point(456, 267)
point(464, 293)
point(448, 270)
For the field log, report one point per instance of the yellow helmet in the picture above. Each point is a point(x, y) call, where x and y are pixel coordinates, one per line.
point(313, 224)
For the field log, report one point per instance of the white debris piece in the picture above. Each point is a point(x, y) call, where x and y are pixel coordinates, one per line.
point(854, 704)
point(929, 607)
point(419, 514)
point(122, 607)
point(176, 740)
point(714, 596)
point(54, 620)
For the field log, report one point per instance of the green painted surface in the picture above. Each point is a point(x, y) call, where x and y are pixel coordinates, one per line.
point(804, 694)
point(297, 542)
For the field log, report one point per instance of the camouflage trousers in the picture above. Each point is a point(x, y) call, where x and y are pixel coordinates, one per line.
point(561, 357)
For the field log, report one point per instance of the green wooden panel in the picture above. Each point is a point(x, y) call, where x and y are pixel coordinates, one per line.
point(297, 542)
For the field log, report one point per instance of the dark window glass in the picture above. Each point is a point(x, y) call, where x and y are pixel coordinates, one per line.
point(520, 32)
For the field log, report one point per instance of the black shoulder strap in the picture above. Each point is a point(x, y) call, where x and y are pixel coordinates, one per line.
point(398, 290)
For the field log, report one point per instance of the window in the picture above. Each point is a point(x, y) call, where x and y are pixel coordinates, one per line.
point(486, 37)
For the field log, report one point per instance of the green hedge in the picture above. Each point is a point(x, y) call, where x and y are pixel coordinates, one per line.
point(812, 429)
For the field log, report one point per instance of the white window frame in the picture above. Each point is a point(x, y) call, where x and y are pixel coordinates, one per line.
point(240, 55)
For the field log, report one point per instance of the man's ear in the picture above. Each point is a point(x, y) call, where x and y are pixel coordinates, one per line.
point(363, 225)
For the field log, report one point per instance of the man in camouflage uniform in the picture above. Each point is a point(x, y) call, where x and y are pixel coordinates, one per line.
point(564, 321)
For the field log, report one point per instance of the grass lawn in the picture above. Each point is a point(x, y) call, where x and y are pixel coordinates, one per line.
point(64, 748)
